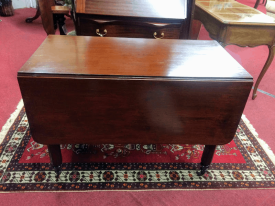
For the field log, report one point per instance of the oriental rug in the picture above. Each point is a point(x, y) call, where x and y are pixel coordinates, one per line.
point(246, 162)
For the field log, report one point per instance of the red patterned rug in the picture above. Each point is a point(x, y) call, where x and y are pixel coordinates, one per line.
point(25, 164)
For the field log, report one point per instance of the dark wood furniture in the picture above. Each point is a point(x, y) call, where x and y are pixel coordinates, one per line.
point(127, 90)
point(258, 2)
point(38, 10)
point(59, 13)
point(232, 23)
point(132, 18)
point(52, 15)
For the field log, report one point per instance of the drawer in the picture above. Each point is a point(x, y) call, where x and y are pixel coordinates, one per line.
point(89, 27)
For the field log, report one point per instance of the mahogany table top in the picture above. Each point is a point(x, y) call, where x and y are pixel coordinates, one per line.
point(166, 58)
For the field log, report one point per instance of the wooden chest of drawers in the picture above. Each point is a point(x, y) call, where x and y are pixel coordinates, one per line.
point(131, 18)
point(128, 90)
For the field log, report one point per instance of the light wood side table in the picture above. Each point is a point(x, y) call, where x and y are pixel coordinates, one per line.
point(230, 22)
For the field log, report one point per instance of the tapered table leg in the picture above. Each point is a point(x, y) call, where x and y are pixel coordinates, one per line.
point(265, 68)
point(206, 159)
point(56, 157)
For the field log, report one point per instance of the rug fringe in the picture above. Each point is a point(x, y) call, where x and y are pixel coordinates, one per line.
point(264, 145)
point(10, 121)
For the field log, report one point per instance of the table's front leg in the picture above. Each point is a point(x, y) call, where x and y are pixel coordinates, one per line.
point(265, 68)
point(56, 157)
point(206, 158)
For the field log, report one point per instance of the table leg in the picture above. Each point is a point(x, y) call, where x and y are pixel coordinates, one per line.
point(206, 159)
point(257, 4)
point(265, 68)
point(30, 19)
point(60, 20)
point(56, 157)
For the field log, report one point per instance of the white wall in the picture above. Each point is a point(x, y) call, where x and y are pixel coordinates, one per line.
point(18, 4)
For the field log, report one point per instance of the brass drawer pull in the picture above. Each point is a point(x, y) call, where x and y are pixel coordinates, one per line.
point(161, 37)
point(99, 34)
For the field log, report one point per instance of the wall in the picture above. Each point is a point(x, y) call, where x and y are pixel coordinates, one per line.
point(18, 4)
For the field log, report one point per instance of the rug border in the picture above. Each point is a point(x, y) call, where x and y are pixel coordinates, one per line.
point(263, 144)
point(10, 121)
point(134, 190)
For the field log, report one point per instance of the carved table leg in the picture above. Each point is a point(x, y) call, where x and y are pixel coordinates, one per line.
point(265, 68)
point(56, 157)
point(206, 159)
point(30, 19)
